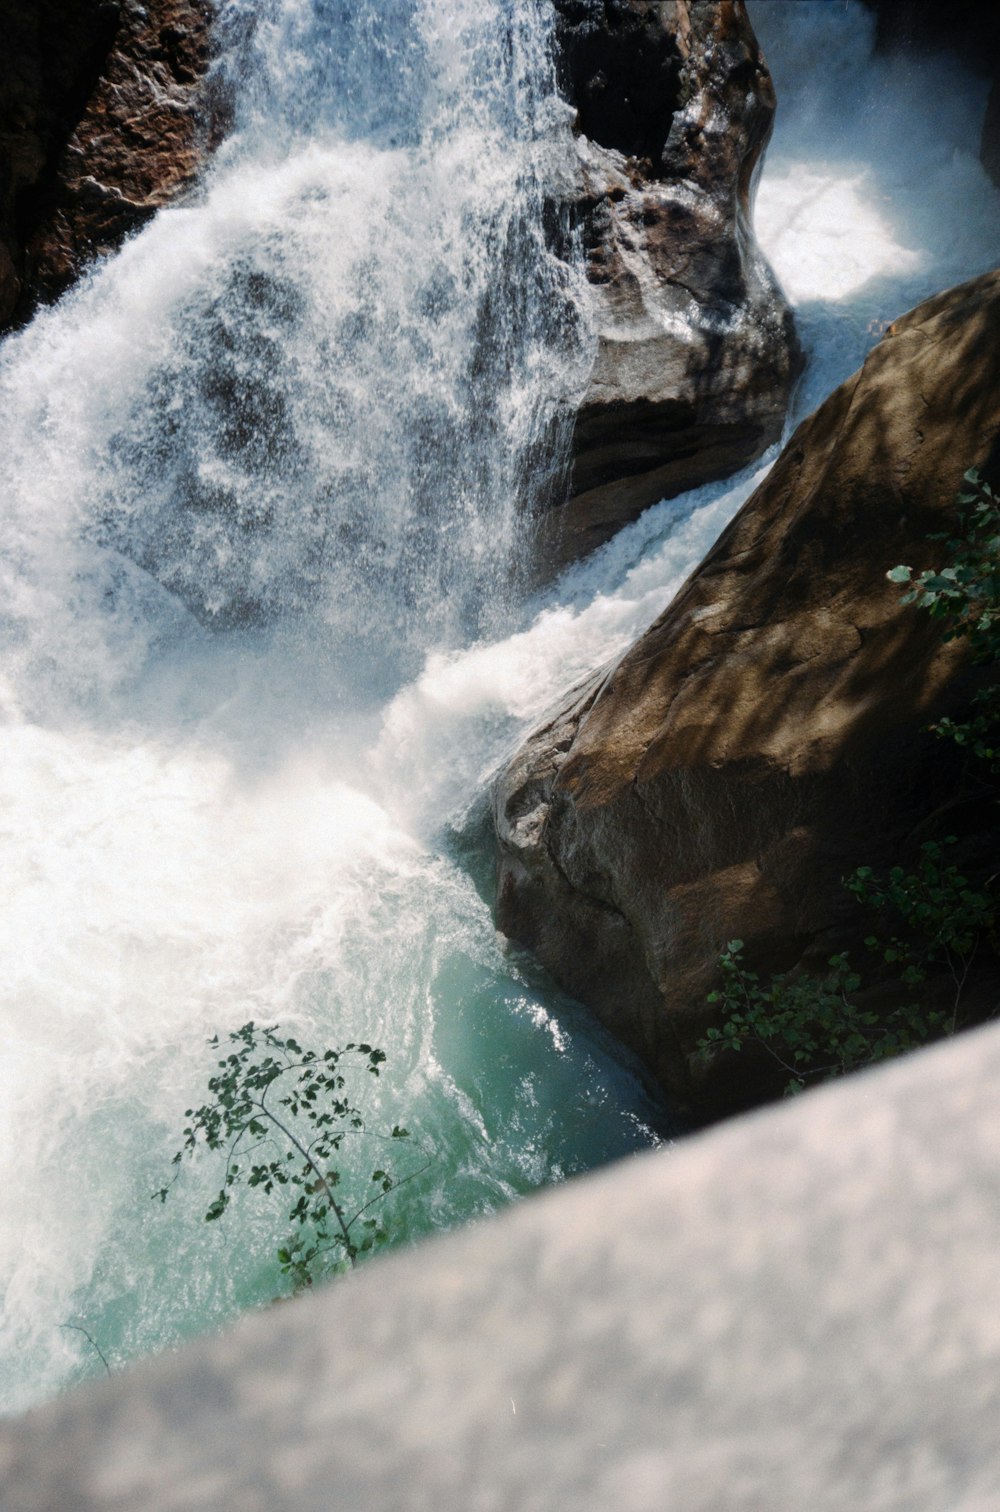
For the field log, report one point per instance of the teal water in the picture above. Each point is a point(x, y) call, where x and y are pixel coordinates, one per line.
point(263, 471)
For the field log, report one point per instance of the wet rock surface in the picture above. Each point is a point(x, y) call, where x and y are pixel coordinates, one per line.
point(103, 119)
point(769, 733)
point(695, 349)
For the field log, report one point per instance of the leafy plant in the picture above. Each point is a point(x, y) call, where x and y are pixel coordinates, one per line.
point(931, 919)
point(817, 1026)
point(944, 919)
point(285, 1112)
point(807, 1024)
point(965, 594)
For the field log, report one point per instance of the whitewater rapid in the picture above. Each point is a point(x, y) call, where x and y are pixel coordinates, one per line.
point(264, 642)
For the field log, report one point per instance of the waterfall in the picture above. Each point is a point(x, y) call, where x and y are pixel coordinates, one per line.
point(266, 633)
point(316, 389)
point(258, 467)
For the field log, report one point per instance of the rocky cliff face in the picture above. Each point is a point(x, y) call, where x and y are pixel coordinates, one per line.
point(695, 352)
point(769, 733)
point(102, 121)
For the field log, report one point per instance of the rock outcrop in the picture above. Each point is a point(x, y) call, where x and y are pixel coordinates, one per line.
point(769, 733)
point(695, 349)
point(101, 123)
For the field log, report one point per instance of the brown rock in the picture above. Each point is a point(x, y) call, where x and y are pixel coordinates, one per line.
point(695, 352)
point(769, 733)
point(101, 123)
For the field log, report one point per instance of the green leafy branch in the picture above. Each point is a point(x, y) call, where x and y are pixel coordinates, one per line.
point(818, 1026)
point(965, 594)
point(944, 919)
point(280, 1113)
point(808, 1025)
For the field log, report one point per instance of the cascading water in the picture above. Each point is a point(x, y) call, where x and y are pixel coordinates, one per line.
point(262, 463)
point(262, 642)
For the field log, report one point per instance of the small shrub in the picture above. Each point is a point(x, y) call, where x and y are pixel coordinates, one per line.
point(814, 1026)
point(279, 1114)
point(807, 1024)
point(944, 919)
point(965, 595)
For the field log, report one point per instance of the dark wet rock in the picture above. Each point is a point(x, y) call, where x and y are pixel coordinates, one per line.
point(769, 733)
point(990, 149)
point(965, 27)
point(102, 121)
point(695, 349)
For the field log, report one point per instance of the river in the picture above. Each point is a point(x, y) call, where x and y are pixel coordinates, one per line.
point(266, 636)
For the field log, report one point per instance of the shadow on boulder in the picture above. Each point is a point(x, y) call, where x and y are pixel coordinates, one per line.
point(769, 733)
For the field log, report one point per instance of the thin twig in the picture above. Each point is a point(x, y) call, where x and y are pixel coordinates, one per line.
point(318, 1174)
point(91, 1341)
point(380, 1196)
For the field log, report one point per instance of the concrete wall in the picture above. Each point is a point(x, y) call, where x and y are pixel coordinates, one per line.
point(799, 1310)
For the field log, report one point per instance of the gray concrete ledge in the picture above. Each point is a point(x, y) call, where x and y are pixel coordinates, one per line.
point(798, 1310)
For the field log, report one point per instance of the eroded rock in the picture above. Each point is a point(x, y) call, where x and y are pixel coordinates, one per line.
point(695, 349)
point(102, 121)
point(769, 733)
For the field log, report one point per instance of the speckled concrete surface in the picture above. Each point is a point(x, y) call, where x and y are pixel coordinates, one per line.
point(799, 1310)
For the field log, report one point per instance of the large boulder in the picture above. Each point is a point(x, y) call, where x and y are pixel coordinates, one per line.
point(102, 121)
point(768, 734)
point(695, 350)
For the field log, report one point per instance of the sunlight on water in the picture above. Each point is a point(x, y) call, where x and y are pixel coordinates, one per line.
point(834, 221)
point(263, 641)
point(873, 196)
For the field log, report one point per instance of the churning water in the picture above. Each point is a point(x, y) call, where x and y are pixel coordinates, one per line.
point(261, 466)
point(263, 635)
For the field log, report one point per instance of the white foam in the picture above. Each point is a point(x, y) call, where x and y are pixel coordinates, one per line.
point(199, 828)
point(290, 391)
point(873, 196)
